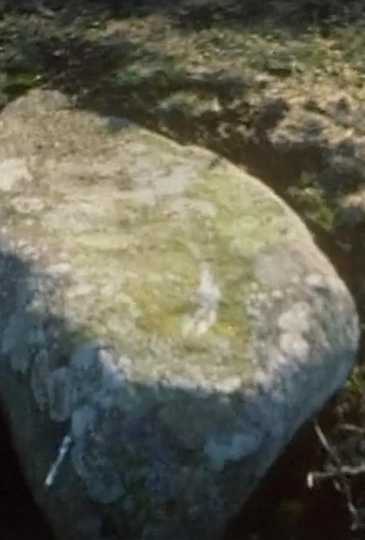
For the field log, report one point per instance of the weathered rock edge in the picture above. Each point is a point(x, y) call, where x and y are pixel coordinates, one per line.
point(167, 324)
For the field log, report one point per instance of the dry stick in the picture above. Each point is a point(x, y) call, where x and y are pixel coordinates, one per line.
point(346, 470)
point(340, 472)
point(350, 427)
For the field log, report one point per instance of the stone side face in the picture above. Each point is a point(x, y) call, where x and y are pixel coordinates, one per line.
point(166, 324)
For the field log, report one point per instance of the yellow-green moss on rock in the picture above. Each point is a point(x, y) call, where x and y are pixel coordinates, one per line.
point(138, 249)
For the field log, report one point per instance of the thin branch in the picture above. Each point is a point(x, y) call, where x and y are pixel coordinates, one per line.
point(352, 428)
point(344, 470)
point(339, 476)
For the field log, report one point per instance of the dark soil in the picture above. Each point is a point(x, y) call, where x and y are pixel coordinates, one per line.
point(20, 518)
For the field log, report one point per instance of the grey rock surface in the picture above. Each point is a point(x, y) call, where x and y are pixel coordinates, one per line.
point(166, 324)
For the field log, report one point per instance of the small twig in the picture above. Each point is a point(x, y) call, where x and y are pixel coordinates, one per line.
point(326, 445)
point(64, 448)
point(352, 428)
point(344, 470)
point(339, 476)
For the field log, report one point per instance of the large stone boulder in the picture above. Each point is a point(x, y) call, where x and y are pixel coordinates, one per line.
point(166, 325)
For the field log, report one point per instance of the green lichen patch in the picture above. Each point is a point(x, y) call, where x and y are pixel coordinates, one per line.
point(162, 240)
point(146, 270)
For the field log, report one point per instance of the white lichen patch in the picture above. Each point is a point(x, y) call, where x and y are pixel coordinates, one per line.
point(294, 345)
point(297, 319)
point(208, 298)
point(14, 173)
point(294, 326)
point(27, 205)
point(316, 281)
point(60, 269)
